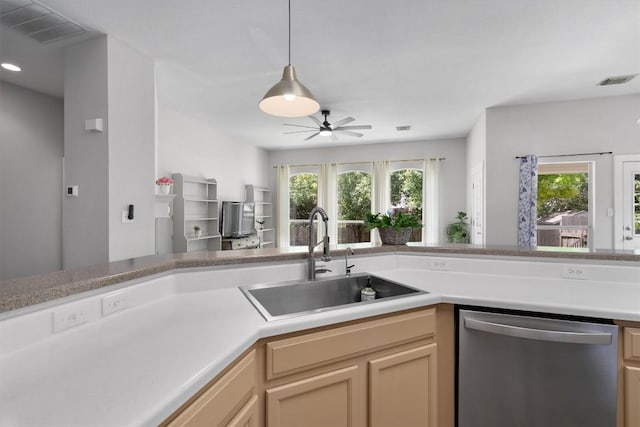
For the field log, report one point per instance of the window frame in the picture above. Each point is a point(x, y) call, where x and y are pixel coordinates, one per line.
point(568, 167)
point(342, 168)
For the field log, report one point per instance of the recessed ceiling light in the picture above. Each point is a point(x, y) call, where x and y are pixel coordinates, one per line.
point(10, 67)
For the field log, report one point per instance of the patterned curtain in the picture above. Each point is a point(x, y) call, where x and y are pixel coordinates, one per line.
point(528, 195)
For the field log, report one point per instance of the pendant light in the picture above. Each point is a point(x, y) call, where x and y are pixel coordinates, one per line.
point(289, 97)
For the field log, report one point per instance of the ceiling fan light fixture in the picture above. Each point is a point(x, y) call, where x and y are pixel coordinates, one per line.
point(289, 97)
point(326, 132)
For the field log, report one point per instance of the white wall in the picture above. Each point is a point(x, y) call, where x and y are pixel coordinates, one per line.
point(190, 146)
point(452, 170)
point(85, 218)
point(131, 151)
point(31, 147)
point(589, 125)
point(104, 78)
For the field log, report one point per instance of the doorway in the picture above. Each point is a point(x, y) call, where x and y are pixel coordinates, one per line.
point(627, 202)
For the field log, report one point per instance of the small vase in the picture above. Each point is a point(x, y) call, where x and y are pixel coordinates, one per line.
point(197, 233)
point(164, 188)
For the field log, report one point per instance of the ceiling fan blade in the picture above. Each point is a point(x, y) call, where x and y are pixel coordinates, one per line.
point(312, 136)
point(358, 127)
point(315, 119)
point(348, 132)
point(341, 122)
point(299, 131)
point(301, 126)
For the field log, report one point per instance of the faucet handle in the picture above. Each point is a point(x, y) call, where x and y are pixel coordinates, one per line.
point(322, 269)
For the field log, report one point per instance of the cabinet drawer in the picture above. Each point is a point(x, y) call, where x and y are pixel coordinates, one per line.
point(632, 344)
point(294, 354)
point(224, 398)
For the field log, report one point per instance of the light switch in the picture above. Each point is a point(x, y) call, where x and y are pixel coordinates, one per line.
point(72, 191)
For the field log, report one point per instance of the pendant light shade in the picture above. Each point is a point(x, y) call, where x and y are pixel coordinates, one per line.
point(289, 97)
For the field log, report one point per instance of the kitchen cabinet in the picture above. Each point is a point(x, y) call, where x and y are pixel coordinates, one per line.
point(403, 388)
point(631, 375)
point(195, 204)
point(328, 399)
point(390, 370)
point(230, 400)
point(380, 372)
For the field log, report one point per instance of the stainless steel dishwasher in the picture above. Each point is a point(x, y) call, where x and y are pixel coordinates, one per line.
point(527, 371)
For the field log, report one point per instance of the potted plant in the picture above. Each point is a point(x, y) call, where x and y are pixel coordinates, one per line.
point(458, 231)
point(164, 185)
point(197, 231)
point(395, 227)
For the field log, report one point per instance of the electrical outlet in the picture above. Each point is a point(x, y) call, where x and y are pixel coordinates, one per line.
point(579, 272)
point(439, 264)
point(114, 302)
point(70, 317)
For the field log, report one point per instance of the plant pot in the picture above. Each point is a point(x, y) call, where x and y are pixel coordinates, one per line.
point(458, 232)
point(164, 188)
point(197, 233)
point(391, 236)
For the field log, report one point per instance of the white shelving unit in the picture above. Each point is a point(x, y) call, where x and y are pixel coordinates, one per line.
point(264, 213)
point(196, 203)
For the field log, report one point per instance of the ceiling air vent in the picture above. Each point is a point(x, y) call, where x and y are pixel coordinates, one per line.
point(616, 80)
point(37, 21)
point(403, 128)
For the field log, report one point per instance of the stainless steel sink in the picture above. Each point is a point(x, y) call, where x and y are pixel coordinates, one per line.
point(289, 299)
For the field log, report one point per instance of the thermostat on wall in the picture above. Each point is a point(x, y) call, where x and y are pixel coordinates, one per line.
point(72, 191)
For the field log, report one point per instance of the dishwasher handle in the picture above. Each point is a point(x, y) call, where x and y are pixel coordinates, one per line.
point(538, 334)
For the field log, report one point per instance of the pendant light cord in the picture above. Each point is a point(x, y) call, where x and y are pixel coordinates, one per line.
point(289, 32)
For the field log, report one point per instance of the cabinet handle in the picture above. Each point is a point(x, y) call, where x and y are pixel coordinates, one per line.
point(538, 334)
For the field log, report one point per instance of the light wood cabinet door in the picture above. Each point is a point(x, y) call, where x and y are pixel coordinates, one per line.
point(247, 416)
point(632, 396)
point(224, 399)
point(403, 389)
point(324, 400)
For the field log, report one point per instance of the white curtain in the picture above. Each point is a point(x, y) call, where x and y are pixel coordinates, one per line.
point(283, 206)
point(381, 197)
point(327, 196)
point(431, 201)
point(527, 199)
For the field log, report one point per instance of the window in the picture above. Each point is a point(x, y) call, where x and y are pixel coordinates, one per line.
point(354, 202)
point(303, 197)
point(564, 218)
point(406, 195)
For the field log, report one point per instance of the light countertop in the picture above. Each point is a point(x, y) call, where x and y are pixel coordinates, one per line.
point(138, 365)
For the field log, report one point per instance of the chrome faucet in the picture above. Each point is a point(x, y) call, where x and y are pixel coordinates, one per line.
point(326, 256)
point(347, 267)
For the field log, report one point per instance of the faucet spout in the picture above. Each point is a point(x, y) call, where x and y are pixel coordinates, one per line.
point(347, 267)
point(326, 254)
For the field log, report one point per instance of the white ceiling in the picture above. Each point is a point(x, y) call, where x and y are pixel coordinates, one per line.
point(431, 64)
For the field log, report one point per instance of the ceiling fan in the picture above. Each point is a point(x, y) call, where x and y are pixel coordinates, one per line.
point(328, 129)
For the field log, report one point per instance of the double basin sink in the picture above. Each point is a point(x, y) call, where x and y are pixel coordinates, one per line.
point(288, 299)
